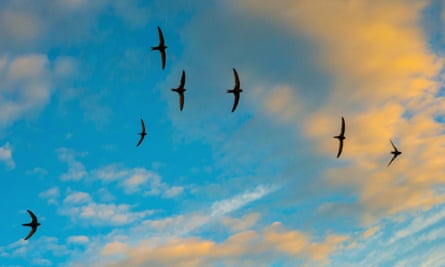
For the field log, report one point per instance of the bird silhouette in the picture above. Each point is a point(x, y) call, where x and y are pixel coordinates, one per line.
point(142, 133)
point(395, 153)
point(341, 137)
point(33, 224)
point(236, 90)
point(180, 90)
point(161, 47)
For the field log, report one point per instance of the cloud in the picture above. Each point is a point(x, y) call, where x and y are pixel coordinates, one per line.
point(80, 206)
point(37, 171)
point(406, 240)
point(136, 180)
point(76, 170)
point(49, 249)
point(272, 244)
point(173, 192)
point(77, 198)
point(52, 194)
point(384, 81)
point(157, 232)
point(114, 248)
point(237, 225)
point(225, 206)
point(6, 156)
point(419, 224)
point(26, 86)
point(27, 25)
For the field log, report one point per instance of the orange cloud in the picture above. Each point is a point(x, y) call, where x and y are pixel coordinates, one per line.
point(247, 248)
point(384, 83)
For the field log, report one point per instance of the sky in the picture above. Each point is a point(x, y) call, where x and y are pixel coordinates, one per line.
point(207, 187)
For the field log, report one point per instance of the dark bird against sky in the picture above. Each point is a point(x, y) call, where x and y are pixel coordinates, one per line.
point(33, 224)
point(236, 90)
point(395, 153)
point(180, 90)
point(161, 47)
point(142, 133)
point(341, 137)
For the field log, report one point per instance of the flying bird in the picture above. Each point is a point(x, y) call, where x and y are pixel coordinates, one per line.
point(394, 153)
point(236, 90)
point(33, 224)
point(180, 90)
point(161, 47)
point(142, 133)
point(341, 137)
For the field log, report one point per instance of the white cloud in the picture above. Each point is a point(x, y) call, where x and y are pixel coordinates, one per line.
point(79, 206)
point(76, 169)
point(48, 247)
point(173, 192)
point(134, 180)
point(27, 82)
point(225, 206)
point(77, 198)
point(6, 156)
point(181, 225)
point(418, 224)
point(52, 194)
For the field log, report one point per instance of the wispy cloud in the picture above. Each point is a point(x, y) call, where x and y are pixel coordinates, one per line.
point(136, 180)
point(81, 207)
point(76, 170)
point(52, 195)
point(6, 156)
point(223, 207)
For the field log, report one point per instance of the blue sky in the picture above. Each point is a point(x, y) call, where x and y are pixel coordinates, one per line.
point(208, 187)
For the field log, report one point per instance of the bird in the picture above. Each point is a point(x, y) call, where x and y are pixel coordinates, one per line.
point(236, 90)
point(394, 153)
point(142, 133)
point(161, 47)
point(180, 90)
point(33, 224)
point(341, 137)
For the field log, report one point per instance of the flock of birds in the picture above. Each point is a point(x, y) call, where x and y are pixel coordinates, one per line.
point(34, 224)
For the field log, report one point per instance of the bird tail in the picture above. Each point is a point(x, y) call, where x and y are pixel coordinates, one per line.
point(229, 91)
point(26, 224)
point(154, 48)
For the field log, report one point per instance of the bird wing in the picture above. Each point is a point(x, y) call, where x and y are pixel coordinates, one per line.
point(342, 126)
point(182, 83)
point(33, 230)
point(235, 102)
point(394, 146)
point(34, 218)
point(143, 126)
point(163, 57)
point(340, 148)
point(140, 140)
point(181, 101)
point(393, 158)
point(237, 83)
point(161, 37)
